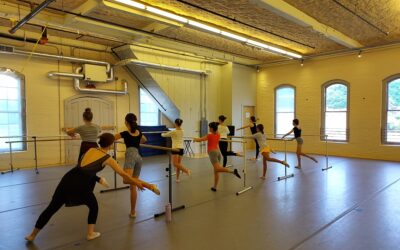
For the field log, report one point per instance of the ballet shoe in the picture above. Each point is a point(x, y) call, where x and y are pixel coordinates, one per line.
point(177, 180)
point(93, 236)
point(297, 167)
point(189, 173)
point(236, 173)
point(262, 177)
point(213, 189)
point(133, 216)
point(154, 189)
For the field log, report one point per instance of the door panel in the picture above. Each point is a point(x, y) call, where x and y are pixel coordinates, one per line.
point(103, 115)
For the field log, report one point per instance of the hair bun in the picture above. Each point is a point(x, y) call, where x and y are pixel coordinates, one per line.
point(88, 110)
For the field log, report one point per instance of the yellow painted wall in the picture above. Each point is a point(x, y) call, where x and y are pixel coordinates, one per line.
point(365, 76)
point(45, 102)
point(45, 97)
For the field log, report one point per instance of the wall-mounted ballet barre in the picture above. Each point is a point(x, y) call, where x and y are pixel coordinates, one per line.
point(34, 140)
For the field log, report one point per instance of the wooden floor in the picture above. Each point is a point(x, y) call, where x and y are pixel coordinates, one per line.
point(354, 205)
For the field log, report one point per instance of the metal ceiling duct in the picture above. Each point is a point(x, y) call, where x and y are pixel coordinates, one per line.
point(166, 105)
point(159, 66)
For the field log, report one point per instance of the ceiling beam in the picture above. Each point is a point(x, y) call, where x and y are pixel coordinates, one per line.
point(87, 7)
point(289, 12)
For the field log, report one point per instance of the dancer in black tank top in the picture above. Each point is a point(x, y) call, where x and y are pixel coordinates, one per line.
point(77, 185)
point(297, 136)
point(253, 129)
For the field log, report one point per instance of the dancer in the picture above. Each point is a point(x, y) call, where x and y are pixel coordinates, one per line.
point(253, 129)
point(177, 143)
point(76, 186)
point(223, 130)
point(214, 154)
point(133, 161)
point(297, 136)
point(89, 133)
point(265, 149)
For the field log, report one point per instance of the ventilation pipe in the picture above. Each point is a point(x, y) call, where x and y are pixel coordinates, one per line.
point(77, 77)
point(110, 71)
point(159, 66)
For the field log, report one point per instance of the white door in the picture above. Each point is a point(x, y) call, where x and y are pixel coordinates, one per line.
point(103, 115)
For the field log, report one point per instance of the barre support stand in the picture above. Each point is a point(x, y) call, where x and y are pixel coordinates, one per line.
point(326, 155)
point(12, 169)
point(169, 169)
point(286, 176)
point(245, 188)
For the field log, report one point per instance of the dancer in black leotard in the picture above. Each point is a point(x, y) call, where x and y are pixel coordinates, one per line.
point(253, 129)
point(223, 130)
point(297, 136)
point(76, 187)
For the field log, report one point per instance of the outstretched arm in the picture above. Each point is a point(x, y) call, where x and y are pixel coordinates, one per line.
point(143, 139)
point(204, 138)
point(108, 127)
point(246, 126)
point(69, 131)
point(291, 131)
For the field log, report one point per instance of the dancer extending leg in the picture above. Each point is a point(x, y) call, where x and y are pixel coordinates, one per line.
point(214, 153)
point(297, 135)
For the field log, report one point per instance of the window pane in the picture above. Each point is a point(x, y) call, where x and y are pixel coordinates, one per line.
point(8, 81)
point(394, 95)
point(335, 125)
point(393, 126)
point(284, 123)
point(3, 105)
point(285, 99)
point(13, 106)
point(336, 98)
point(149, 113)
point(3, 118)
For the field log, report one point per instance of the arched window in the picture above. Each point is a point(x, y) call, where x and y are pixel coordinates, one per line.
point(335, 107)
point(284, 108)
point(12, 109)
point(149, 112)
point(391, 112)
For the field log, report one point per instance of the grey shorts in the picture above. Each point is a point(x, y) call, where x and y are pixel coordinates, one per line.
point(215, 156)
point(133, 160)
point(299, 140)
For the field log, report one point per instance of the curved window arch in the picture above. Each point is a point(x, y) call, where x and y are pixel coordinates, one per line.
point(335, 110)
point(285, 108)
point(391, 112)
point(12, 109)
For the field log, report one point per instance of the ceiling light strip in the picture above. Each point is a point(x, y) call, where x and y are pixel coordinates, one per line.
point(210, 28)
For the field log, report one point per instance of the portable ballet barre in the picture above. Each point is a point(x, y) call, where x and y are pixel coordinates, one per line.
point(245, 187)
point(35, 140)
point(286, 176)
point(169, 170)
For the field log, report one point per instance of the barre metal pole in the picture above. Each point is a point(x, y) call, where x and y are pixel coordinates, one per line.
point(245, 188)
point(115, 188)
point(36, 157)
point(11, 170)
point(326, 155)
point(286, 176)
point(169, 205)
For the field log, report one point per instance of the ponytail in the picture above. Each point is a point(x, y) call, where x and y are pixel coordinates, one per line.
point(131, 119)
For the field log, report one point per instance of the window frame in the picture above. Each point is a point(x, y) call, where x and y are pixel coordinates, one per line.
point(21, 77)
point(140, 106)
point(324, 87)
point(285, 85)
point(385, 108)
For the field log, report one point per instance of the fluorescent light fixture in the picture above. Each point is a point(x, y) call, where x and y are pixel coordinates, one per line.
point(204, 27)
point(209, 28)
point(132, 3)
point(166, 14)
point(233, 36)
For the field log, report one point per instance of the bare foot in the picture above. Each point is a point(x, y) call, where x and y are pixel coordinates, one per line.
point(286, 164)
point(30, 238)
point(262, 177)
point(298, 167)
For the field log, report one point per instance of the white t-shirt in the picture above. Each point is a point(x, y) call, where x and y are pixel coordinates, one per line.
point(176, 136)
point(223, 131)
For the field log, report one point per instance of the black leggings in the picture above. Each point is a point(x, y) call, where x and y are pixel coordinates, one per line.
point(57, 202)
point(223, 147)
point(257, 148)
